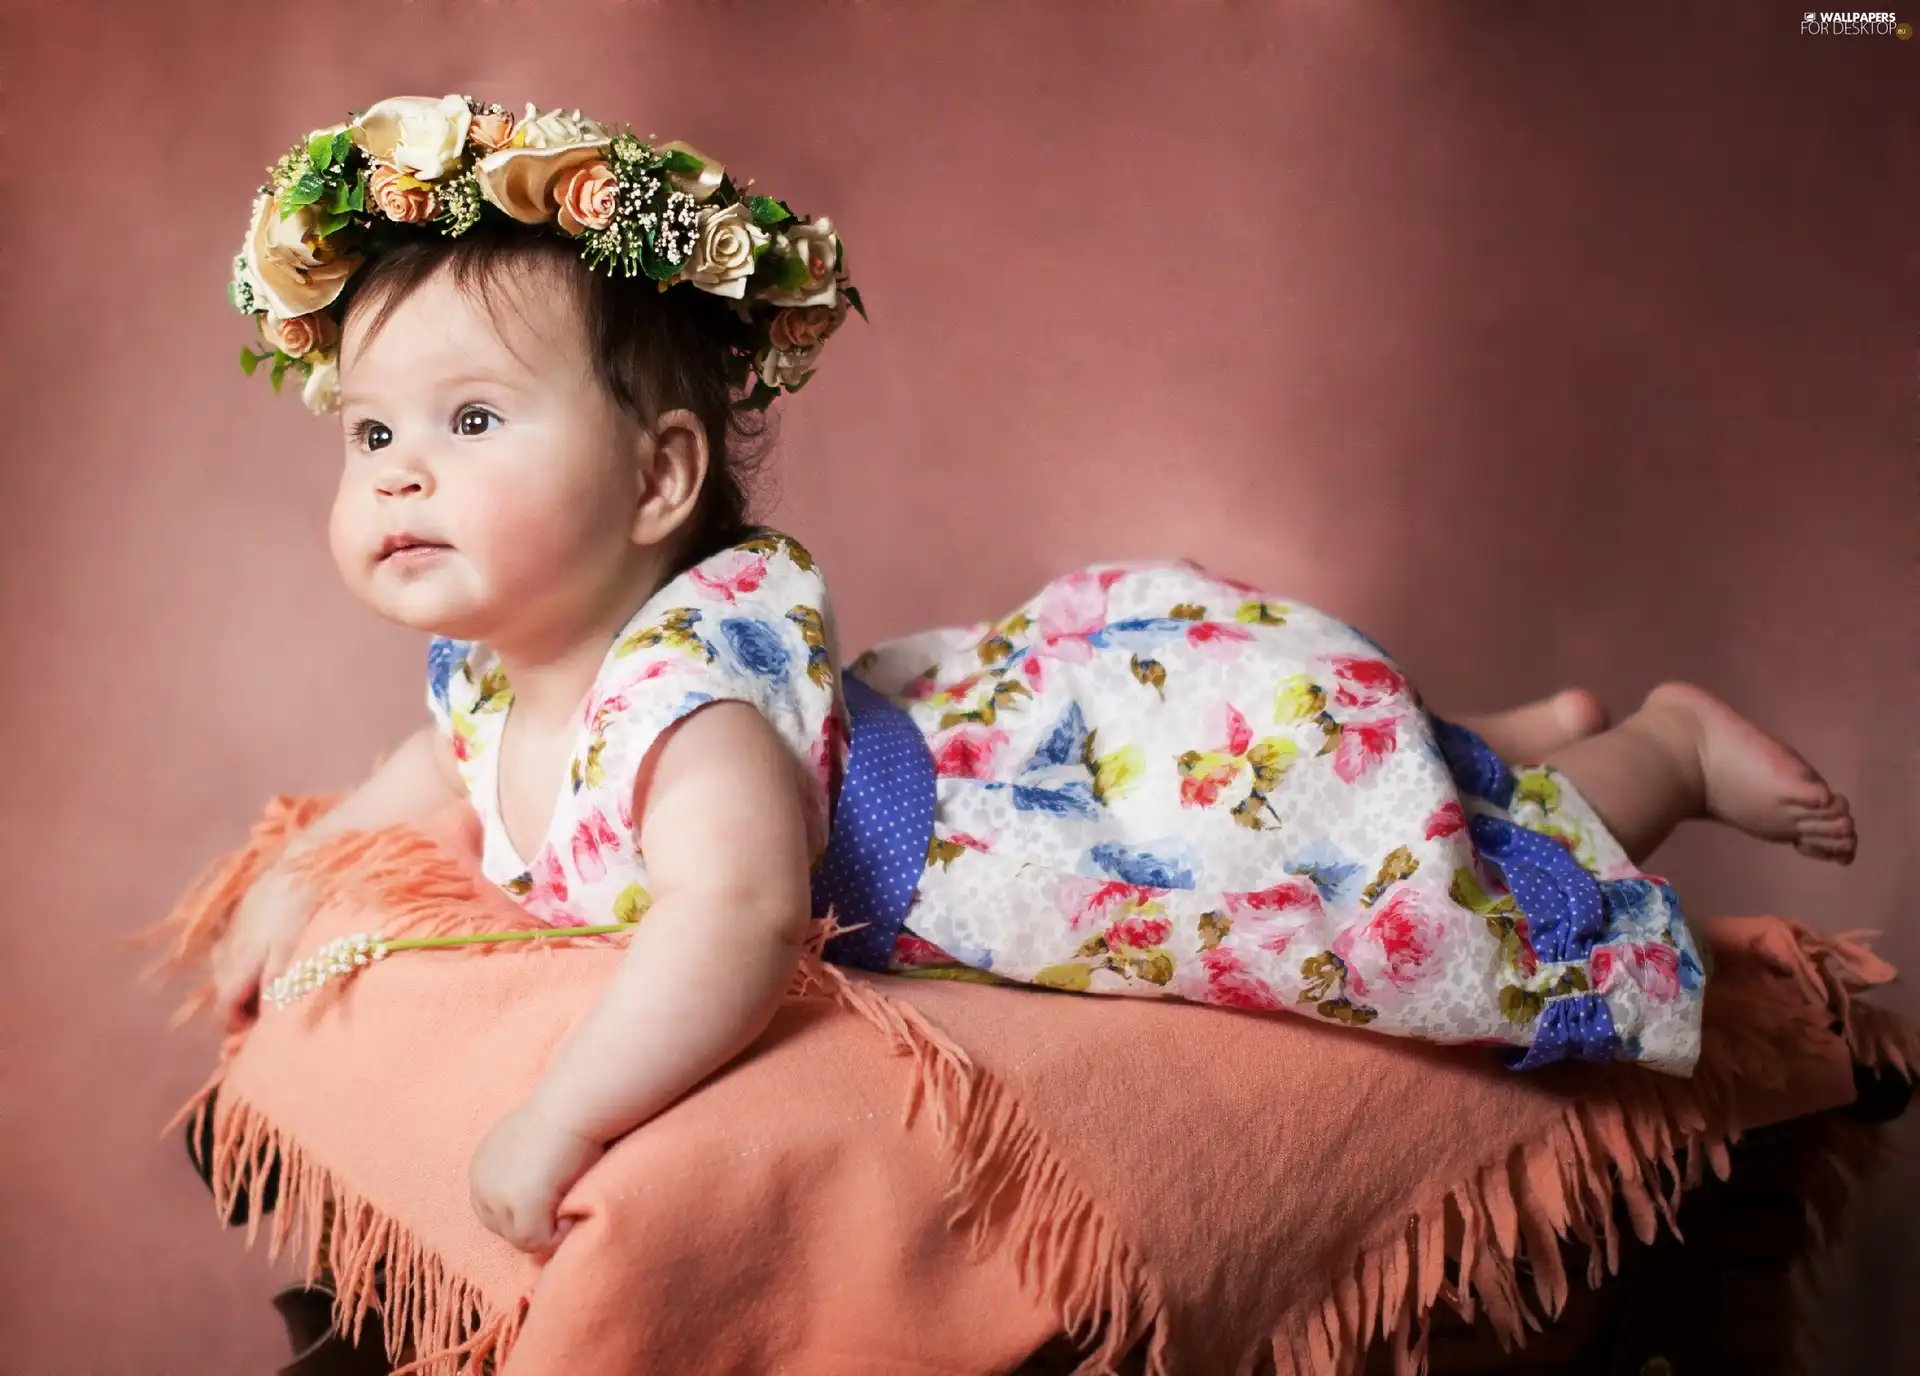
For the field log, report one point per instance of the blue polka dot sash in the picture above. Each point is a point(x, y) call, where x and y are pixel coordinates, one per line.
point(882, 825)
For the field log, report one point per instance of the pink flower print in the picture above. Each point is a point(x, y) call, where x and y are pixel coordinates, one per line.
point(1075, 607)
point(1034, 667)
point(1097, 903)
point(591, 839)
point(1220, 641)
point(1653, 965)
point(1602, 968)
point(967, 751)
point(1446, 820)
point(1282, 897)
point(1363, 744)
point(910, 950)
point(919, 689)
point(547, 899)
point(1361, 682)
point(725, 576)
point(1233, 726)
point(1139, 933)
point(1231, 985)
point(1398, 944)
point(829, 750)
point(1255, 912)
point(961, 838)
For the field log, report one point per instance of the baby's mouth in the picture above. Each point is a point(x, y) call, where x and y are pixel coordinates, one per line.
point(410, 548)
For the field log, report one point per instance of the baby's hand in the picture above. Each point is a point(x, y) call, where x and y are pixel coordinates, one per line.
point(520, 1172)
point(258, 944)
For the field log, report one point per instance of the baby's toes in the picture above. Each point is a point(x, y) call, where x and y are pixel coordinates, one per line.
point(1832, 837)
point(1811, 795)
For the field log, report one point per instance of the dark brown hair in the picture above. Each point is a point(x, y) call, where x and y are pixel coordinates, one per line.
point(654, 351)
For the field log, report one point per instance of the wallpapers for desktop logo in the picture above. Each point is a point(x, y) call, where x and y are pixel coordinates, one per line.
point(1854, 24)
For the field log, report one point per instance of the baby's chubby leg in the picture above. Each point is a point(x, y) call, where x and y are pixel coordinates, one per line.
point(1687, 754)
point(1536, 729)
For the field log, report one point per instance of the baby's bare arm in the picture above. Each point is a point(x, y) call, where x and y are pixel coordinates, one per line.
point(410, 785)
point(721, 825)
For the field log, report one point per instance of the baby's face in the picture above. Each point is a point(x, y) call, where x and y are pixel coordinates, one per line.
point(489, 481)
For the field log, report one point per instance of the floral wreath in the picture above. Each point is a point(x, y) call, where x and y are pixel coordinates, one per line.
point(663, 211)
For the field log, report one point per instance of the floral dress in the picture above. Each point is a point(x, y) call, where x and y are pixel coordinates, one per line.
point(1153, 781)
point(750, 624)
point(1145, 781)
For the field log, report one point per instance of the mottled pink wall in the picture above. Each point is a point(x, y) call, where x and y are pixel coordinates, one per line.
point(1550, 343)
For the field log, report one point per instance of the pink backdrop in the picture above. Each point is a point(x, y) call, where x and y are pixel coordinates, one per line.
point(1553, 343)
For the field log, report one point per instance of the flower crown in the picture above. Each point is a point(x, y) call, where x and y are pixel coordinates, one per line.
point(663, 211)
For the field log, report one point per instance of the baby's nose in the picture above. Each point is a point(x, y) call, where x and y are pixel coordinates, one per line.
point(403, 481)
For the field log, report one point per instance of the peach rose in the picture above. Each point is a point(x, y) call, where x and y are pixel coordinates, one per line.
point(806, 328)
point(588, 198)
point(400, 195)
point(491, 132)
point(300, 335)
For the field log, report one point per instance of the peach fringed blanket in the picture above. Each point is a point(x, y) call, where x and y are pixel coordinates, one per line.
point(1216, 1184)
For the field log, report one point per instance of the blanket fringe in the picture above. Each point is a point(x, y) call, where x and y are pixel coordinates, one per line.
point(1489, 1244)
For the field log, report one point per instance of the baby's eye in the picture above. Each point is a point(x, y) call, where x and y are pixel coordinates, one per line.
point(372, 434)
point(474, 420)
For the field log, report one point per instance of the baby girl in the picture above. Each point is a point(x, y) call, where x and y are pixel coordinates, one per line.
point(1148, 779)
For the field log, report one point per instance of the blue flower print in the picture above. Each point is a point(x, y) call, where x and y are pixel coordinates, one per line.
point(443, 656)
point(757, 645)
point(1062, 745)
point(1329, 871)
point(1070, 800)
point(1171, 866)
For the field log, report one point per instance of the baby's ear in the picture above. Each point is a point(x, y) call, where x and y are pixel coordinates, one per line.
point(670, 469)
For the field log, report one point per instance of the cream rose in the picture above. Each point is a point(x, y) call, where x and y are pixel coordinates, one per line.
point(301, 335)
point(816, 247)
point(417, 134)
point(588, 198)
point(492, 131)
point(787, 367)
point(400, 196)
point(294, 270)
point(321, 392)
point(806, 328)
point(699, 185)
point(556, 129)
point(722, 257)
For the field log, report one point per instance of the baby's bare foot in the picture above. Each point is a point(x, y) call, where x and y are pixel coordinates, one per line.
point(1753, 782)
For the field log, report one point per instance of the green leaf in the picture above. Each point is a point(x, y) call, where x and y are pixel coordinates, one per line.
point(320, 150)
point(336, 221)
point(358, 200)
point(279, 372)
point(249, 360)
point(310, 188)
point(338, 196)
point(791, 273)
point(853, 295)
point(767, 211)
point(680, 160)
point(342, 145)
point(658, 268)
